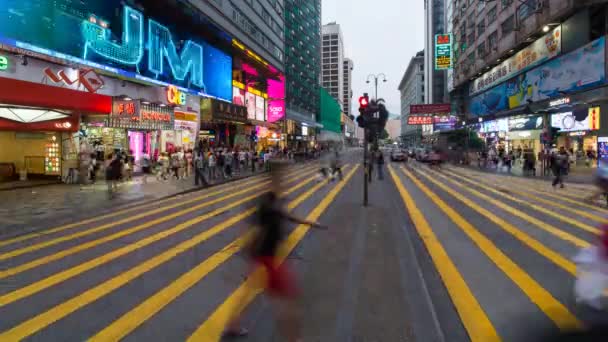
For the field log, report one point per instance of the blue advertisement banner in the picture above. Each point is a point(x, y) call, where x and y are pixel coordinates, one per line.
point(580, 69)
point(117, 39)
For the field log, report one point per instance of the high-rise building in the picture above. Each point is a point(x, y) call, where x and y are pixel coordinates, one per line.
point(333, 61)
point(435, 80)
point(258, 25)
point(302, 63)
point(347, 72)
point(411, 89)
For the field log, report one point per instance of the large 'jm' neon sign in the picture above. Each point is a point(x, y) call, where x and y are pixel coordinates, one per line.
point(131, 50)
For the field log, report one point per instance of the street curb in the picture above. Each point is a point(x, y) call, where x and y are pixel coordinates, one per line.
point(32, 186)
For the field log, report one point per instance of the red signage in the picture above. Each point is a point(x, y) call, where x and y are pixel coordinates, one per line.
point(17, 92)
point(87, 78)
point(442, 39)
point(155, 116)
point(419, 120)
point(430, 108)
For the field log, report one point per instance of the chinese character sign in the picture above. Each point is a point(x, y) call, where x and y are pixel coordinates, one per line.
point(419, 120)
point(443, 51)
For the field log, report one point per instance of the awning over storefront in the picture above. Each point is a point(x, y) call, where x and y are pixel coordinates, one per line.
point(221, 112)
point(17, 92)
point(299, 117)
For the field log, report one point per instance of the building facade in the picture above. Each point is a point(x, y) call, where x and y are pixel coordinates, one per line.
point(303, 64)
point(144, 78)
point(347, 72)
point(532, 72)
point(257, 24)
point(411, 90)
point(332, 63)
point(435, 90)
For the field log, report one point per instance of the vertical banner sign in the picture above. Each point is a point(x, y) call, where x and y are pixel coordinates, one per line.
point(443, 51)
point(594, 118)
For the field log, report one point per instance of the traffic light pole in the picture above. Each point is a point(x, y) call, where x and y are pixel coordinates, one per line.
point(365, 167)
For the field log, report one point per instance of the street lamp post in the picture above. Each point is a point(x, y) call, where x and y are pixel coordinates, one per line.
point(376, 77)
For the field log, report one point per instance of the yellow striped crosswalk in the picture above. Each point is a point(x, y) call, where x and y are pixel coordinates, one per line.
point(495, 247)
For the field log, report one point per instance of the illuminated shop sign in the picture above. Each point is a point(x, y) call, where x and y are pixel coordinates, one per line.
point(135, 115)
point(120, 40)
point(443, 51)
point(3, 63)
point(559, 102)
point(175, 96)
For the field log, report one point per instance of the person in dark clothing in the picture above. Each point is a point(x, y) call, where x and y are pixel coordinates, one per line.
point(262, 250)
point(559, 165)
point(199, 170)
point(379, 158)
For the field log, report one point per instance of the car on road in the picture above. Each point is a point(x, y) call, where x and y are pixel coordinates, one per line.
point(398, 155)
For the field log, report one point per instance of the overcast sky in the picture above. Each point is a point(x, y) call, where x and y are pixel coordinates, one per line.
point(380, 36)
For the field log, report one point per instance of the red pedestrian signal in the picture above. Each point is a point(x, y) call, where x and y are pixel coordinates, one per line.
point(363, 101)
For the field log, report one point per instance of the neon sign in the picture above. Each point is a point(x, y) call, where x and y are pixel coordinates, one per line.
point(175, 96)
point(3, 63)
point(131, 51)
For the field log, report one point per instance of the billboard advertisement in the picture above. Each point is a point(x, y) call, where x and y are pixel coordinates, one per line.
point(525, 123)
point(238, 96)
point(535, 54)
point(444, 123)
point(443, 51)
point(260, 108)
point(500, 125)
point(276, 100)
point(576, 121)
point(433, 108)
point(117, 39)
point(250, 103)
point(574, 71)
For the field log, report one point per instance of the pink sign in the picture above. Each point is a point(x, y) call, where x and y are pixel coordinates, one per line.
point(276, 100)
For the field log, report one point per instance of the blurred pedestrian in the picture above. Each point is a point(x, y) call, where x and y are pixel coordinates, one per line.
point(379, 159)
point(262, 249)
point(199, 166)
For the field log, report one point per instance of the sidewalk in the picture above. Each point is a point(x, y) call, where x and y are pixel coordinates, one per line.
point(31, 208)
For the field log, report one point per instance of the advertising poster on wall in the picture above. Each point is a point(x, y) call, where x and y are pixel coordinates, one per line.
point(575, 71)
point(535, 54)
point(575, 121)
point(525, 123)
point(238, 96)
point(444, 123)
point(250, 102)
point(276, 100)
point(260, 108)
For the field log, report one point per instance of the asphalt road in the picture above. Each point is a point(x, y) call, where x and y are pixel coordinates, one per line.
point(449, 255)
